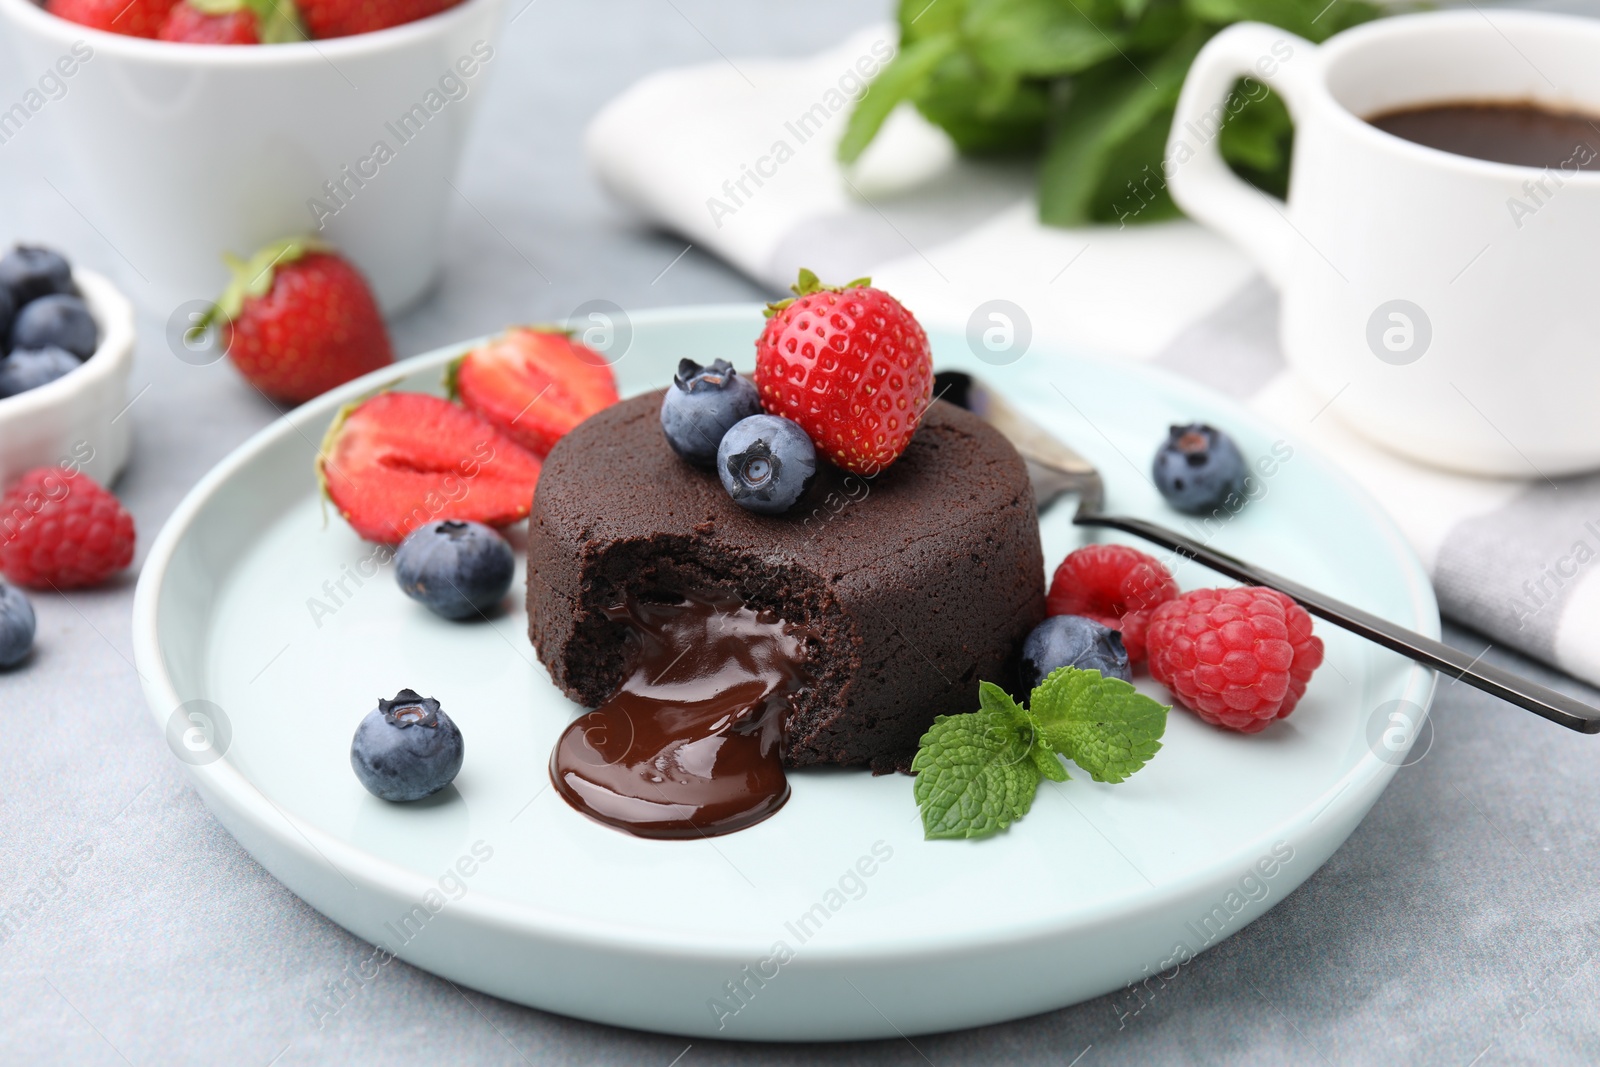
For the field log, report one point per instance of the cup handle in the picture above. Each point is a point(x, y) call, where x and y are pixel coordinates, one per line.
point(1199, 180)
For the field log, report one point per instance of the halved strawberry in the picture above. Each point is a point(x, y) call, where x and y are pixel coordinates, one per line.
point(395, 461)
point(533, 385)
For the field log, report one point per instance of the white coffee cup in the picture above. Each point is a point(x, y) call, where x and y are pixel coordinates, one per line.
point(188, 151)
point(1446, 307)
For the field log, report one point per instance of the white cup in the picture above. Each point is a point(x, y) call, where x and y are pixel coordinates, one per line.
point(188, 151)
point(1443, 306)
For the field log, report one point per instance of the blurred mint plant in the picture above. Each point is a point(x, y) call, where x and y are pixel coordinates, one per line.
point(1091, 85)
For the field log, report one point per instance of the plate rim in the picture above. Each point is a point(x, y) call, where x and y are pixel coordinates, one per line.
point(221, 782)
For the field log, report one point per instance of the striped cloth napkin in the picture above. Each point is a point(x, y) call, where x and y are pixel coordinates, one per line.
point(738, 157)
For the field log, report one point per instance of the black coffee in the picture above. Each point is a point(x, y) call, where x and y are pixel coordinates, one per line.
point(1521, 133)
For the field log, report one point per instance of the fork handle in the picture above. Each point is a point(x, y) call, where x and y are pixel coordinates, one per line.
point(1523, 692)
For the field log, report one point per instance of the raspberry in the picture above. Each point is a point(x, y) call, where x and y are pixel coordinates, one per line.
point(1114, 585)
point(58, 529)
point(1238, 658)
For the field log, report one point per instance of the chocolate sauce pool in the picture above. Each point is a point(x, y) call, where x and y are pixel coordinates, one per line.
point(690, 744)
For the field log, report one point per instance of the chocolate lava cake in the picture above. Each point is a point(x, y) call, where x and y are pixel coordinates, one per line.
point(911, 586)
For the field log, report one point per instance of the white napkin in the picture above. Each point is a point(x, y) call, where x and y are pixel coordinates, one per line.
point(738, 156)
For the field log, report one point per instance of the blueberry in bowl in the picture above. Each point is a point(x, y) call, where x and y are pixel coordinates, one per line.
point(1197, 468)
point(1073, 641)
point(406, 748)
point(57, 320)
point(29, 368)
point(458, 570)
point(72, 402)
point(28, 272)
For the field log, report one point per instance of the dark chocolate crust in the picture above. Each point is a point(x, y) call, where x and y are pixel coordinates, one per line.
point(914, 585)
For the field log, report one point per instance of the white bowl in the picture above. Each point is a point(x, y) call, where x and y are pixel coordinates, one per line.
point(80, 419)
point(188, 151)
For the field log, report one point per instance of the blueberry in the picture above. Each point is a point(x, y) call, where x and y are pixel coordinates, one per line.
point(1073, 641)
point(701, 405)
point(458, 569)
point(29, 368)
point(766, 463)
point(29, 272)
point(16, 626)
point(1198, 467)
point(406, 748)
point(59, 320)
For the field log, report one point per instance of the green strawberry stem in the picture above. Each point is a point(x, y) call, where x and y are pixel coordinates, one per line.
point(452, 377)
point(277, 21)
point(254, 277)
point(809, 284)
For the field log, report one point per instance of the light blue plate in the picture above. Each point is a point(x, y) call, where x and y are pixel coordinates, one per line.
point(265, 632)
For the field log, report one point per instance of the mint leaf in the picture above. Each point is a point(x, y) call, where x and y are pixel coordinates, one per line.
point(1104, 725)
point(1086, 176)
point(984, 112)
point(1049, 764)
point(997, 701)
point(977, 774)
point(1029, 38)
point(900, 80)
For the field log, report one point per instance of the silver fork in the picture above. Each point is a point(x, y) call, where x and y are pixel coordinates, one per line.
point(1057, 471)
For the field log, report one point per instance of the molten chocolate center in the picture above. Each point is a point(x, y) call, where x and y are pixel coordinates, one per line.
point(690, 745)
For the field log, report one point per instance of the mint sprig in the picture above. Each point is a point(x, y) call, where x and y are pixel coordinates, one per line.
point(1090, 87)
point(978, 773)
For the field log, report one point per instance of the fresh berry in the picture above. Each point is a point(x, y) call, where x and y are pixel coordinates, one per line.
point(1114, 585)
point(298, 319)
point(406, 748)
point(1073, 641)
point(29, 368)
point(701, 404)
point(457, 569)
point(1197, 468)
point(187, 24)
point(341, 18)
point(28, 272)
point(233, 22)
point(16, 626)
point(133, 18)
point(766, 463)
point(59, 320)
point(1238, 658)
point(533, 385)
point(59, 530)
point(398, 461)
point(851, 366)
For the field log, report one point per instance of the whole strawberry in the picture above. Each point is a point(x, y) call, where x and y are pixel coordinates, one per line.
point(298, 319)
point(341, 18)
point(132, 18)
point(851, 366)
point(1238, 658)
point(232, 22)
point(60, 530)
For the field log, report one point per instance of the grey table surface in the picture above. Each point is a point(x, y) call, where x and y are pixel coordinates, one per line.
point(1460, 924)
